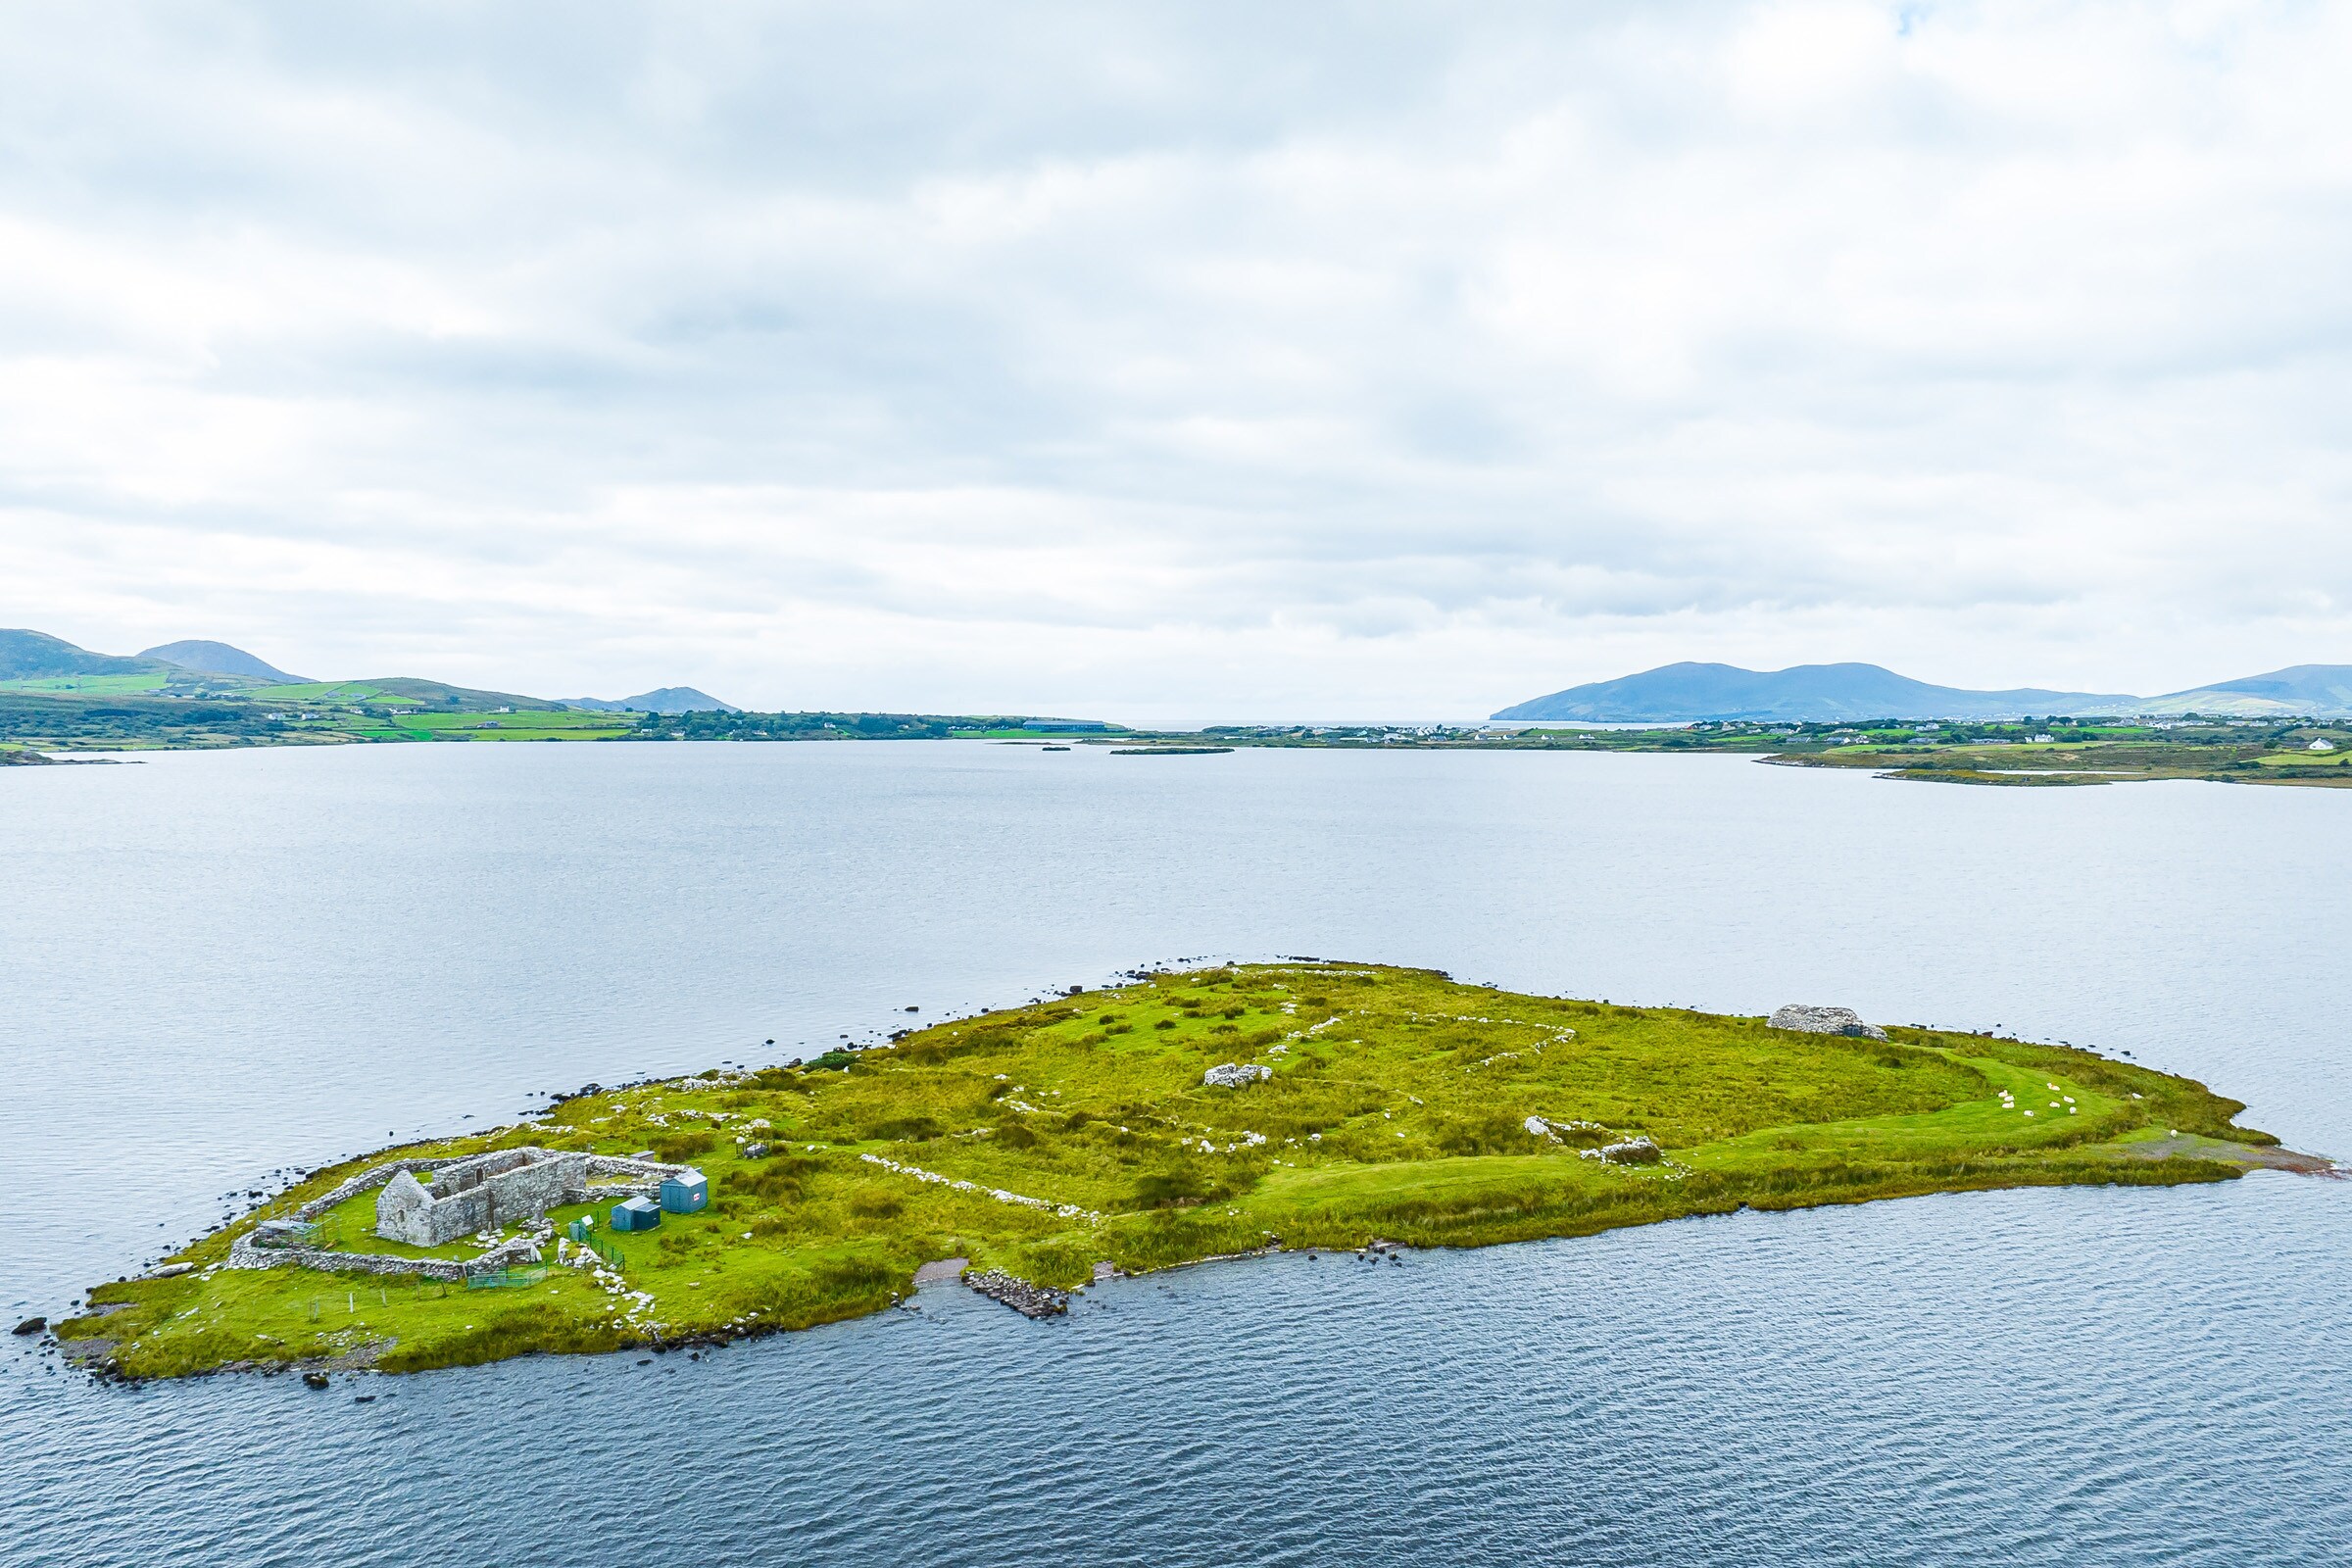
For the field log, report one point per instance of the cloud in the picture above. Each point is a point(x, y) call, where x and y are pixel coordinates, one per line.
point(1200, 361)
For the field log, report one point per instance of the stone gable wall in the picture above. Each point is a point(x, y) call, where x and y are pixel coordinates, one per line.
point(492, 1191)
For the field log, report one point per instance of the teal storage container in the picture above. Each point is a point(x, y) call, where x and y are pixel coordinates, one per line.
point(636, 1214)
point(686, 1193)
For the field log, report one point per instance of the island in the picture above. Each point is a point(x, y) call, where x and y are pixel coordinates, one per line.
point(1313, 1106)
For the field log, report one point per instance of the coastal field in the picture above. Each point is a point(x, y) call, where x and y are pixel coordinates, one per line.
point(2307, 754)
point(2044, 753)
point(1393, 1104)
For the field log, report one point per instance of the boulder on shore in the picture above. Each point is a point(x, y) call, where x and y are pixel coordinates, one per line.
point(1812, 1021)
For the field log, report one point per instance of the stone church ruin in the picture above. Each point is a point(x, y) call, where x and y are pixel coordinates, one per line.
point(486, 1193)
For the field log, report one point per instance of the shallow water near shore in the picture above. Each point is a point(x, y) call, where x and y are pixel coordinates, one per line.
point(213, 965)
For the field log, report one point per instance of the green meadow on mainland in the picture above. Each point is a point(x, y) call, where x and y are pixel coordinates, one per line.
point(1395, 1105)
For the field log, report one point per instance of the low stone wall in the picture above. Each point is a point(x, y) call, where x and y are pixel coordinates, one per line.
point(623, 1165)
point(242, 1253)
point(1065, 1210)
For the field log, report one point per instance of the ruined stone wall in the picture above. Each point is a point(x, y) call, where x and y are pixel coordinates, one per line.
point(528, 1192)
point(368, 1180)
point(243, 1253)
point(623, 1165)
point(491, 1192)
point(466, 1174)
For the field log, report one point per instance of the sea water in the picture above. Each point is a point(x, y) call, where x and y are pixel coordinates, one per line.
point(215, 967)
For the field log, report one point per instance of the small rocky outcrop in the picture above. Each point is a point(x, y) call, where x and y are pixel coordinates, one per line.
point(1030, 1300)
point(1235, 1075)
point(1813, 1020)
point(1636, 1150)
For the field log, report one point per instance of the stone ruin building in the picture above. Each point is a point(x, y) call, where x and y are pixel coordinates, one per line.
point(483, 1194)
point(1816, 1020)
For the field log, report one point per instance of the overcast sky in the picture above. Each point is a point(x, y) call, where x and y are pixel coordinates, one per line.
point(1179, 361)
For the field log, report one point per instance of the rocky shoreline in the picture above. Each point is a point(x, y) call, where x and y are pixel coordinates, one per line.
point(1030, 1300)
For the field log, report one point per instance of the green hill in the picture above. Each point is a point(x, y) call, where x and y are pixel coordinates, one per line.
point(38, 655)
point(218, 659)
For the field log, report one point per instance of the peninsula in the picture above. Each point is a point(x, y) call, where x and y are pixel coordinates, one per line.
point(1185, 1116)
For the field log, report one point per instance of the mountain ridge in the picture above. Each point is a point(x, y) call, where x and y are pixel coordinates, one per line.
point(2318, 689)
point(219, 658)
point(28, 655)
point(1690, 692)
point(660, 700)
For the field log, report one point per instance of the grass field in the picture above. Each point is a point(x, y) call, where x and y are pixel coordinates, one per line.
point(2109, 755)
point(1397, 1108)
point(517, 726)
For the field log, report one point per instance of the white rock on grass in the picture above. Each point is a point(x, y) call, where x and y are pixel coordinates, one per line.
point(1235, 1075)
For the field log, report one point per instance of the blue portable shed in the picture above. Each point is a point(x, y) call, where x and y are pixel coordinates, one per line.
point(636, 1214)
point(686, 1193)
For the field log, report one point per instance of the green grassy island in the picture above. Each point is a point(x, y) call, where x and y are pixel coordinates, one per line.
point(1371, 1105)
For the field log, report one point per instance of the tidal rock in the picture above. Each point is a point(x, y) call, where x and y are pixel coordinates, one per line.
point(1234, 1075)
point(31, 1325)
point(1813, 1020)
point(1030, 1300)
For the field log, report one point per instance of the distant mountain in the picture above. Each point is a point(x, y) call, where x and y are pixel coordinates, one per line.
point(38, 655)
point(2320, 689)
point(1678, 694)
point(664, 699)
point(219, 659)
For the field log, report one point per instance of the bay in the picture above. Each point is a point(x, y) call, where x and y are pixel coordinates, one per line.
point(217, 965)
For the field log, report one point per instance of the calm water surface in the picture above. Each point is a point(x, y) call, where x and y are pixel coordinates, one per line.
point(216, 966)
